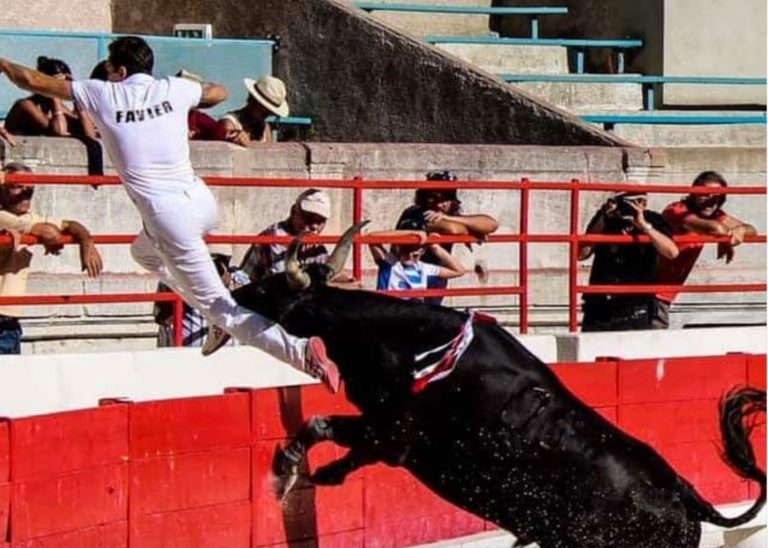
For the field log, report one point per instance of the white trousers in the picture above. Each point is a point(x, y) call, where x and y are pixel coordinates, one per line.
point(171, 246)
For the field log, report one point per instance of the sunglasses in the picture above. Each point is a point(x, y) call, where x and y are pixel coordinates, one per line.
point(21, 192)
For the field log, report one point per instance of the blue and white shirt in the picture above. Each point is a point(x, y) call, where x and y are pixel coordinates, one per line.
point(394, 274)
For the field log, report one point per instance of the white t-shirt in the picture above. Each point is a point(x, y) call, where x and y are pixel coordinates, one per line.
point(394, 274)
point(143, 123)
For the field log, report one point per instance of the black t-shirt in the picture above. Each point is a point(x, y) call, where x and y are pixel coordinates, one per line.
point(617, 264)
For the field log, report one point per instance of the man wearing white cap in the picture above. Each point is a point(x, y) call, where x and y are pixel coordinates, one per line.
point(308, 215)
point(143, 123)
point(266, 97)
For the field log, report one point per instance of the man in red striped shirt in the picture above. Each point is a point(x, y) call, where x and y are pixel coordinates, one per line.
point(699, 214)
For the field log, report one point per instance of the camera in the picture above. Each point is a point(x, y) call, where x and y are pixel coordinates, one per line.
point(624, 209)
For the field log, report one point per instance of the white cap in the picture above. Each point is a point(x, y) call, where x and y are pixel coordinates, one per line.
point(315, 201)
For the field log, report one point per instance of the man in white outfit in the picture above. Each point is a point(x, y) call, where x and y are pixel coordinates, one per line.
point(143, 123)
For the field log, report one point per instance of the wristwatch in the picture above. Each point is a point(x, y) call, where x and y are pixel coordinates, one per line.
point(647, 227)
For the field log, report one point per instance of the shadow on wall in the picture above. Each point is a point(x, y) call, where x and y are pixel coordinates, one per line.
point(363, 82)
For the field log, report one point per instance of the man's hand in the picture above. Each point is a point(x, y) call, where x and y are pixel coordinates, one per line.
point(737, 235)
point(90, 258)
point(639, 218)
point(434, 217)
point(239, 137)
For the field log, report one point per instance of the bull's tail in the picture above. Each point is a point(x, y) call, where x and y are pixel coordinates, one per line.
point(737, 419)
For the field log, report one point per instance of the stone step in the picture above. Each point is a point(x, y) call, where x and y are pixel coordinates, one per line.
point(421, 24)
point(498, 59)
point(683, 135)
point(587, 97)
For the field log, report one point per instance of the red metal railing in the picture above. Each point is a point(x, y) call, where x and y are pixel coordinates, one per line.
point(359, 185)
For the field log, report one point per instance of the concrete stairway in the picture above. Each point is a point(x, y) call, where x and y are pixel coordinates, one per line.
point(581, 98)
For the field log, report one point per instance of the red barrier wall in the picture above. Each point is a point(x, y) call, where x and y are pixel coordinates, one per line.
point(197, 471)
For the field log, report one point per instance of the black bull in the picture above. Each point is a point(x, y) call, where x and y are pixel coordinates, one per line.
point(500, 436)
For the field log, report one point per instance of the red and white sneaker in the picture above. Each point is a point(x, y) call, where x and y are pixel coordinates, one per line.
point(320, 366)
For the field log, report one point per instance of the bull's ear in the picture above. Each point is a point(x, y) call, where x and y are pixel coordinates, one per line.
point(298, 280)
point(339, 256)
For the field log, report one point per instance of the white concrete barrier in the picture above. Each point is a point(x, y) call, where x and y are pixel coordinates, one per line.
point(38, 384)
point(586, 347)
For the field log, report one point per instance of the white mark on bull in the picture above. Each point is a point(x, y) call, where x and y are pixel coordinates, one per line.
point(660, 370)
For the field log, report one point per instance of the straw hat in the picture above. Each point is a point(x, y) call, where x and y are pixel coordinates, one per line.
point(270, 92)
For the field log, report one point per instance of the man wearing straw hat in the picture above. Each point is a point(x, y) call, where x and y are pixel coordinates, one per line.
point(266, 97)
point(143, 122)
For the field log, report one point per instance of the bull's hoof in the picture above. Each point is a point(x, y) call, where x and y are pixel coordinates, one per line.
point(285, 483)
point(286, 471)
point(282, 464)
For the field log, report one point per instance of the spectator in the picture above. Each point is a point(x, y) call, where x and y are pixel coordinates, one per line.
point(40, 115)
point(402, 267)
point(266, 97)
point(17, 219)
point(699, 214)
point(439, 211)
point(194, 324)
point(620, 264)
point(202, 127)
point(100, 71)
point(308, 215)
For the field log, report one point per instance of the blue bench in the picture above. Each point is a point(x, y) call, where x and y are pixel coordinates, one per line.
point(225, 61)
point(276, 121)
point(649, 83)
point(609, 121)
point(578, 44)
point(531, 12)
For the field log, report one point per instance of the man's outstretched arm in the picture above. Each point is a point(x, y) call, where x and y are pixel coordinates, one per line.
point(35, 81)
point(213, 94)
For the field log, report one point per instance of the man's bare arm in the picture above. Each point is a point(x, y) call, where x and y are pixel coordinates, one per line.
point(726, 226)
point(35, 81)
point(707, 227)
point(213, 94)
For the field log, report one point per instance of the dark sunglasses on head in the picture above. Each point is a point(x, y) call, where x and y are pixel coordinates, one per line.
point(441, 176)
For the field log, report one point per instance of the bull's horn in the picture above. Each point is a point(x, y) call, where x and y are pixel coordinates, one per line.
point(341, 251)
point(298, 280)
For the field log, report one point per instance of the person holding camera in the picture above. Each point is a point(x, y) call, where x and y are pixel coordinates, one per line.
point(633, 263)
